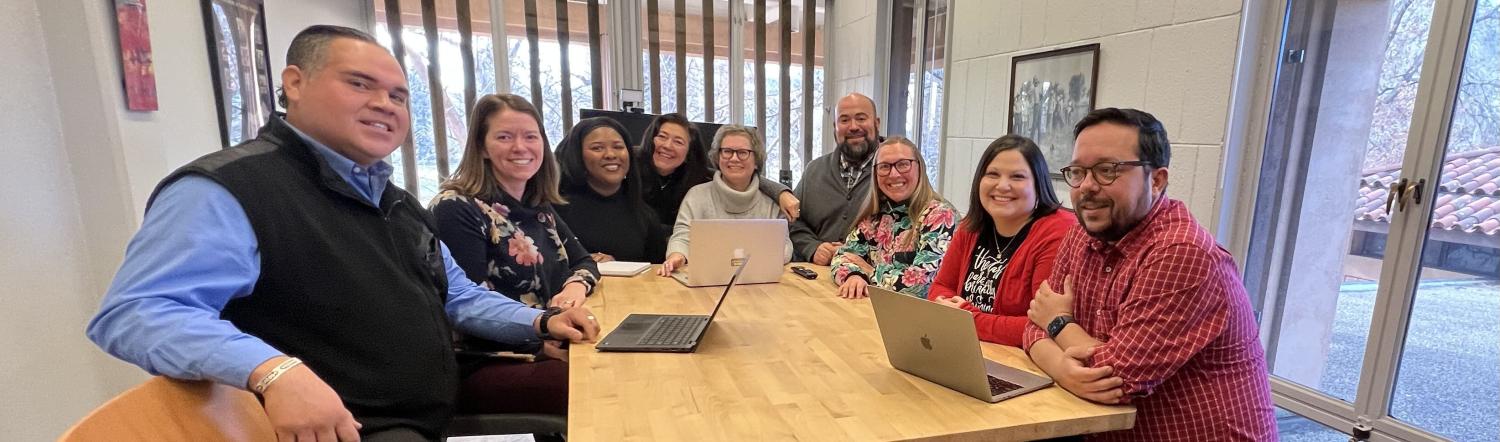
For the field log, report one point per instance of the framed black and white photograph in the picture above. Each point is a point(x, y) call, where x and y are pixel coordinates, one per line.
point(1049, 92)
point(241, 66)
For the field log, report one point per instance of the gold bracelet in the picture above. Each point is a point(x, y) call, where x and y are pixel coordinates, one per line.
point(265, 382)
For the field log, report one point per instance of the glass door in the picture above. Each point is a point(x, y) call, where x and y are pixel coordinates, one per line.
point(1371, 252)
point(1447, 376)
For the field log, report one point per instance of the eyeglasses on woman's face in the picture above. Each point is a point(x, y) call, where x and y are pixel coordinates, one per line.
point(741, 154)
point(902, 166)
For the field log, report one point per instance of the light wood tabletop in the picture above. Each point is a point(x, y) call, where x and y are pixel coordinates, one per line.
point(790, 361)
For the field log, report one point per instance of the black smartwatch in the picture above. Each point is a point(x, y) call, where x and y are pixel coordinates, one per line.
point(1057, 325)
point(547, 314)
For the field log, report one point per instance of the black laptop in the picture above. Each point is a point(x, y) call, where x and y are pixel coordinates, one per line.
point(665, 333)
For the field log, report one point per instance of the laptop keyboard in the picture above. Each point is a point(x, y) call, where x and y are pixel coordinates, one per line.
point(999, 387)
point(673, 330)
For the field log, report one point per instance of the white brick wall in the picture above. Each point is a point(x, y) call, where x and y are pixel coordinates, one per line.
point(1173, 58)
point(853, 57)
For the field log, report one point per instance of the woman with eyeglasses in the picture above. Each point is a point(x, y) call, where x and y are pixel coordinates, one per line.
point(731, 193)
point(903, 229)
point(671, 161)
point(604, 205)
point(1006, 245)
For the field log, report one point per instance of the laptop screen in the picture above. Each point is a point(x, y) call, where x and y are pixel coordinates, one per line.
point(737, 271)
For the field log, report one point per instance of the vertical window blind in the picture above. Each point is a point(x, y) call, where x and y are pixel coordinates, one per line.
point(915, 95)
point(556, 53)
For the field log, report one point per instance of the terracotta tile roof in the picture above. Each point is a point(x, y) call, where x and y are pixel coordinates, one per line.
point(1468, 197)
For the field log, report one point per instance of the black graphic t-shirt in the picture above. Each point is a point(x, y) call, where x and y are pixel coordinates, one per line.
point(992, 253)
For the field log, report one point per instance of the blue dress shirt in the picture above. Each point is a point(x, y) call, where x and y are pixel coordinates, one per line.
point(196, 251)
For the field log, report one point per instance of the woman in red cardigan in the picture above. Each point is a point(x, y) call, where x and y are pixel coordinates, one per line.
point(1007, 243)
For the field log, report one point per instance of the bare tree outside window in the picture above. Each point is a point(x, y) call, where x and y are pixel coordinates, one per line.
point(772, 131)
point(456, 116)
point(1476, 118)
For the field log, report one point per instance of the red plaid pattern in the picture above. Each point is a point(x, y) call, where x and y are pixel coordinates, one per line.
point(1177, 327)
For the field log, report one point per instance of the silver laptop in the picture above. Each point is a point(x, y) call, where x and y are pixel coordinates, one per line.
point(716, 247)
point(938, 343)
point(664, 333)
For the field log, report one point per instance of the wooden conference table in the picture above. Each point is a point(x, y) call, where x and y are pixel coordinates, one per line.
point(790, 361)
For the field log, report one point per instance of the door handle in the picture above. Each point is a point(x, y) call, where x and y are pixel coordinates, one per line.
point(1414, 192)
point(1404, 192)
point(1397, 191)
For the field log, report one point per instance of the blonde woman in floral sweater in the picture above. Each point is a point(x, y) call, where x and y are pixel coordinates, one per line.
point(903, 229)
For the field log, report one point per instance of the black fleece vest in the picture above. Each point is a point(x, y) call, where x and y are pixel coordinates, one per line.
point(355, 290)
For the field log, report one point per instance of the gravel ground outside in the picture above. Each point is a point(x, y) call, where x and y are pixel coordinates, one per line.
point(1449, 377)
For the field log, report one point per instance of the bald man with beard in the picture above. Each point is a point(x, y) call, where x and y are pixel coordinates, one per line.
point(835, 185)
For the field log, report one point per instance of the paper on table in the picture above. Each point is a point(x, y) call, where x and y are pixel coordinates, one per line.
point(623, 268)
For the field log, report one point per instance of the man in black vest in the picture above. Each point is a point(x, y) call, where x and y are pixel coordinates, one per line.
point(290, 265)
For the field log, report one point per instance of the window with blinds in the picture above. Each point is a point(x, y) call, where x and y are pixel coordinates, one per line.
point(689, 48)
point(549, 51)
point(754, 62)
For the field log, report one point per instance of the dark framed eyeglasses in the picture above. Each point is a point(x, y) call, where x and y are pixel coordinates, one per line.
point(902, 166)
point(742, 154)
point(1105, 172)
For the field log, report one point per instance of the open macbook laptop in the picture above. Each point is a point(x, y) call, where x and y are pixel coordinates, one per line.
point(717, 246)
point(665, 333)
point(938, 343)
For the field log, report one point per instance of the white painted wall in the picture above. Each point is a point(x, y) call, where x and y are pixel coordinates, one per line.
point(46, 297)
point(186, 126)
point(80, 168)
point(284, 18)
point(1175, 59)
point(853, 52)
point(143, 146)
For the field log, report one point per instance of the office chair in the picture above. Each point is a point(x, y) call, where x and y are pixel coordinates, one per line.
point(168, 410)
point(172, 410)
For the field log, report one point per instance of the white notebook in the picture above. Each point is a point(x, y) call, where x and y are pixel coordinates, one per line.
point(623, 268)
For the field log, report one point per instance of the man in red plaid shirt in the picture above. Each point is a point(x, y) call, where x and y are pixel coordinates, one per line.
point(1152, 311)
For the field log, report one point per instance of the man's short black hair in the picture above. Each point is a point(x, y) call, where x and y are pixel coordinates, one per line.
point(1152, 144)
point(309, 49)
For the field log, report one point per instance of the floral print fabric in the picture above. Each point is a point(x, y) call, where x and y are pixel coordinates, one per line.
point(882, 241)
point(512, 248)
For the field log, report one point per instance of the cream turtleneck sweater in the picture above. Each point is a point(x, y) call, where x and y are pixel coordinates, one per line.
point(716, 200)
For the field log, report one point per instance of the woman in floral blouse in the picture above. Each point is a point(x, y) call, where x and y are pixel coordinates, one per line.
point(903, 229)
point(496, 213)
point(497, 219)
